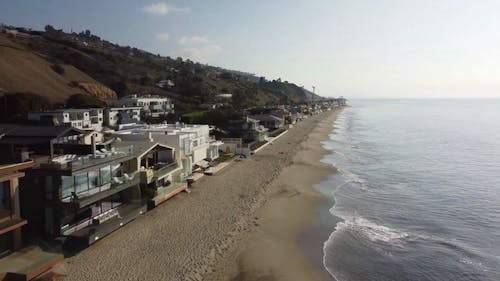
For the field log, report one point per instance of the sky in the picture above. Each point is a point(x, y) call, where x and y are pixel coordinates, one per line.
point(350, 48)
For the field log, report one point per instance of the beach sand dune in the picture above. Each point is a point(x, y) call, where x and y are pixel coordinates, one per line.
point(238, 225)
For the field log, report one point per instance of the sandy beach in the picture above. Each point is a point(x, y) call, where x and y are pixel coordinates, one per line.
point(271, 251)
point(241, 224)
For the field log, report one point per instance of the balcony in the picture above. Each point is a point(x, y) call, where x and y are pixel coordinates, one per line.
point(103, 193)
point(163, 171)
point(77, 162)
point(157, 107)
point(149, 175)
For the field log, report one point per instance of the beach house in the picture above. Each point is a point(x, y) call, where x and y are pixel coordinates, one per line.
point(83, 119)
point(193, 142)
point(89, 192)
point(18, 261)
point(269, 121)
point(152, 106)
point(116, 116)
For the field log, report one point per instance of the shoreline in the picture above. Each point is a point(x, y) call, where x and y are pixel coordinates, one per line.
point(200, 235)
point(284, 243)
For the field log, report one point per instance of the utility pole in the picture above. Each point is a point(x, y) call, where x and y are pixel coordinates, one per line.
point(314, 93)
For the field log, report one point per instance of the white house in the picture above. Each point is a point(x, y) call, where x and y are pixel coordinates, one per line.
point(193, 142)
point(165, 83)
point(83, 119)
point(154, 106)
point(115, 116)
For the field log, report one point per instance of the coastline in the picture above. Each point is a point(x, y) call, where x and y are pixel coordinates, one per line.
point(288, 233)
point(209, 233)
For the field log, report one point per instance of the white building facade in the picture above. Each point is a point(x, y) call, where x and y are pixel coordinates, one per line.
point(154, 106)
point(116, 116)
point(83, 119)
point(193, 142)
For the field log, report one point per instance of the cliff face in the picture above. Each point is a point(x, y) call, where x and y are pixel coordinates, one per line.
point(23, 70)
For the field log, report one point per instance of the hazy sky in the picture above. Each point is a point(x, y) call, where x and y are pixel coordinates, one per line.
point(370, 48)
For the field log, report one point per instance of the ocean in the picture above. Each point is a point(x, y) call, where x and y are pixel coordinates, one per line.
point(417, 195)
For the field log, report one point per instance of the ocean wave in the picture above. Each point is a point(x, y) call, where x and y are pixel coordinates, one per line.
point(371, 230)
point(351, 177)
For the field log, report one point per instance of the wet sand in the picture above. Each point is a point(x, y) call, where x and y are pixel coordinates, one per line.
point(241, 224)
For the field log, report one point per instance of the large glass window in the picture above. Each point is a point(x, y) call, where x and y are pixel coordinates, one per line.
point(68, 186)
point(105, 175)
point(81, 183)
point(93, 179)
point(116, 170)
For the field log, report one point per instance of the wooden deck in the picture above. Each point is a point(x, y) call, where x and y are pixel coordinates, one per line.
point(27, 264)
point(166, 193)
point(195, 177)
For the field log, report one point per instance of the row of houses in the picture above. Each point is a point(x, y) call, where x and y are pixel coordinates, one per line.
point(125, 110)
point(74, 187)
point(73, 182)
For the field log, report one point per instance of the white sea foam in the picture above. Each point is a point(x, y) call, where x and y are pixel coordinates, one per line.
point(351, 177)
point(371, 230)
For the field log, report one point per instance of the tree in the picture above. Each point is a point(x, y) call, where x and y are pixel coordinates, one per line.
point(49, 28)
point(144, 80)
point(119, 87)
point(58, 68)
point(84, 101)
point(15, 106)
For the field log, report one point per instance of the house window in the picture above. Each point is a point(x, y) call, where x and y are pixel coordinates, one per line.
point(68, 186)
point(105, 173)
point(81, 183)
point(93, 179)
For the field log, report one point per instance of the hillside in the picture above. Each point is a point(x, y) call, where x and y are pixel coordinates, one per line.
point(27, 64)
point(22, 70)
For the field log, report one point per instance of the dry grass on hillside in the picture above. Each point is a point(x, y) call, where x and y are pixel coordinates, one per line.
point(22, 70)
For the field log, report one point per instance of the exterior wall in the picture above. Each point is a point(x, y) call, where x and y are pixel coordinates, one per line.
point(150, 106)
point(91, 119)
point(118, 116)
point(191, 142)
point(10, 210)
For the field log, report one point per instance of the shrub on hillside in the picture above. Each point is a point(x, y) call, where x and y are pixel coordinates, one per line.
point(15, 106)
point(84, 101)
point(58, 68)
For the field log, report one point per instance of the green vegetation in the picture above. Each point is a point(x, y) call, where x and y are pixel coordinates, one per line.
point(84, 101)
point(57, 68)
point(193, 117)
point(220, 117)
point(15, 106)
point(128, 70)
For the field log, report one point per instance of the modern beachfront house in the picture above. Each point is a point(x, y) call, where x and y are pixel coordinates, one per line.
point(192, 141)
point(10, 213)
point(17, 141)
point(152, 106)
point(18, 261)
point(83, 119)
point(116, 116)
point(85, 196)
point(269, 121)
